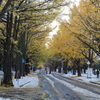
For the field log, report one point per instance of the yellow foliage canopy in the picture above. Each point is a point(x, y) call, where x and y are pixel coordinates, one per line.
point(66, 44)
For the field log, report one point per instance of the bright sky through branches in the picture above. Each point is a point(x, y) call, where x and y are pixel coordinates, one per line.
point(63, 16)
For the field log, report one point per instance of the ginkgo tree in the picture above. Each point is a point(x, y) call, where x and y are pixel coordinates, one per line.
point(36, 46)
point(18, 17)
point(84, 24)
point(83, 27)
point(67, 45)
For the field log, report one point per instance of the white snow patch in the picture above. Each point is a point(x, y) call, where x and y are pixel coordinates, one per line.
point(27, 82)
point(1, 72)
point(34, 83)
point(83, 77)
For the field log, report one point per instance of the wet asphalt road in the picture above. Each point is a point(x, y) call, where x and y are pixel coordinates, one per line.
point(88, 86)
point(59, 91)
point(56, 90)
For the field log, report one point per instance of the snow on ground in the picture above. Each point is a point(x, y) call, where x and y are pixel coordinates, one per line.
point(1, 72)
point(79, 90)
point(32, 81)
point(83, 77)
point(29, 81)
point(26, 82)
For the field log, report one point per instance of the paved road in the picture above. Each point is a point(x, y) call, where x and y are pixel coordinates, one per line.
point(59, 91)
point(52, 87)
point(88, 86)
point(56, 90)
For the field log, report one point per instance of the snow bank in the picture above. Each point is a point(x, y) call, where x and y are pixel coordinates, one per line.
point(26, 82)
point(83, 77)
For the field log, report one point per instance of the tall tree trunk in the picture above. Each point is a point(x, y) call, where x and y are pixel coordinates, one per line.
point(90, 58)
point(79, 70)
point(7, 52)
point(74, 66)
point(74, 69)
point(27, 66)
point(23, 51)
point(15, 32)
point(18, 65)
point(66, 66)
point(78, 66)
point(59, 67)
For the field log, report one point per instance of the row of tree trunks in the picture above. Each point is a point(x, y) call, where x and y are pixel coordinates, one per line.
point(64, 65)
point(76, 65)
point(9, 51)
